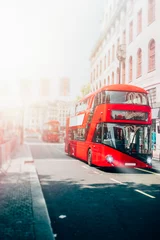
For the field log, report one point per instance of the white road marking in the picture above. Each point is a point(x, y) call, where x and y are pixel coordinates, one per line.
point(148, 195)
point(96, 172)
point(117, 181)
point(144, 170)
point(56, 160)
point(85, 167)
point(62, 216)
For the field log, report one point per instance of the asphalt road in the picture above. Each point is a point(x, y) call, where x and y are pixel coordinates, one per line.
point(90, 203)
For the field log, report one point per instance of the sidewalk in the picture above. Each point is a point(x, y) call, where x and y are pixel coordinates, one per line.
point(23, 212)
point(156, 164)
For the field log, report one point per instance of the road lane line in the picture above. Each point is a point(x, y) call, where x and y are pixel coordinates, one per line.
point(85, 167)
point(96, 172)
point(144, 193)
point(117, 181)
point(143, 170)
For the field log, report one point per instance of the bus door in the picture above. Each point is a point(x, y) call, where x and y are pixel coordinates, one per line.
point(97, 147)
point(81, 145)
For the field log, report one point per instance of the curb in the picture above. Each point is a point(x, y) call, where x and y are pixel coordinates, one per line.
point(42, 224)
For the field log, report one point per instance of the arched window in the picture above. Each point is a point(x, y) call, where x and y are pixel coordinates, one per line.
point(139, 22)
point(118, 82)
point(105, 62)
point(131, 32)
point(139, 62)
point(108, 80)
point(112, 77)
point(124, 37)
point(151, 55)
point(108, 57)
point(100, 67)
point(151, 11)
point(113, 52)
point(104, 81)
point(130, 69)
point(123, 72)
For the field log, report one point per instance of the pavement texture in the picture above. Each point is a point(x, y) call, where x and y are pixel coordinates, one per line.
point(23, 212)
point(156, 164)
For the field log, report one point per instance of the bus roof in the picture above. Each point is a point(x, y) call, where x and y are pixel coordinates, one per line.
point(115, 87)
point(122, 87)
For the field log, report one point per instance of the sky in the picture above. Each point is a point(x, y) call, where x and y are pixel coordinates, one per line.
point(47, 39)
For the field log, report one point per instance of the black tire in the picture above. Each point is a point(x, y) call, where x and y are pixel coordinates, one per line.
point(89, 158)
point(69, 151)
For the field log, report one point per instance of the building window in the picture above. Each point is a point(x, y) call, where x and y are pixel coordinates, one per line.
point(151, 11)
point(94, 74)
point(108, 57)
point(100, 67)
point(113, 52)
point(97, 71)
point(123, 72)
point(112, 77)
point(118, 42)
point(100, 84)
point(104, 81)
point(152, 96)
point(139, 22)
point(105, 62)
point(131, 32)
point(108, 80)
point(91, 78)
point(139, 63)
point(130, 69)
point(151, 55)
point(124, 37)
point(118, 82)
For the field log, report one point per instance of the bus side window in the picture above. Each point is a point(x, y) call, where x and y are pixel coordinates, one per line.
point(98, 134)
point(95, 101)
point(103, 97)
point(99, 98)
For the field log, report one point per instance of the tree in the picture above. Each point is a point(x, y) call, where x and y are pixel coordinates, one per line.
point(86, 89)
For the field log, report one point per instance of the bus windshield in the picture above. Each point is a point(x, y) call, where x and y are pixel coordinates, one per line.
point(53, 128)
point(133, 139)
point(125, 97)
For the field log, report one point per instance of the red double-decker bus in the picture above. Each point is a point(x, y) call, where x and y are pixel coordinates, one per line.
point(51, 131)
point(111, 128)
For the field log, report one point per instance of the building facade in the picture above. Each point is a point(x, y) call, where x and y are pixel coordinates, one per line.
point(130, 29)
point(36, 115)
point(64, 89)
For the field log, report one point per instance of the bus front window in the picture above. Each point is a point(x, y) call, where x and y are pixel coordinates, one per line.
point(131, 139)
point(126, 97)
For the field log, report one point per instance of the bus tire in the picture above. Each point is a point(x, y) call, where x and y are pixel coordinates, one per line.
point(89, 157)
point(69, 150)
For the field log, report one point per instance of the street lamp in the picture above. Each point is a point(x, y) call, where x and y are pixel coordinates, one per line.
point(121, 56)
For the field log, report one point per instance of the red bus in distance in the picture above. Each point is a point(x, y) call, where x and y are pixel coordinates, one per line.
point(51, 131)
point(111, 128)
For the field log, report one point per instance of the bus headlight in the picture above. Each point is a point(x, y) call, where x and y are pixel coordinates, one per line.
point(149, 160)
point(109, 158)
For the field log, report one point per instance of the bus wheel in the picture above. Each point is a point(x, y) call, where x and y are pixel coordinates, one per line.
point(69, 150)
point(89, 157)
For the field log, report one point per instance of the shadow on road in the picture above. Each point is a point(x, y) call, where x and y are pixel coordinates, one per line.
point(101, 211)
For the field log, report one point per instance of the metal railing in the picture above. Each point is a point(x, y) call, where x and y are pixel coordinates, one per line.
point(6, 150)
